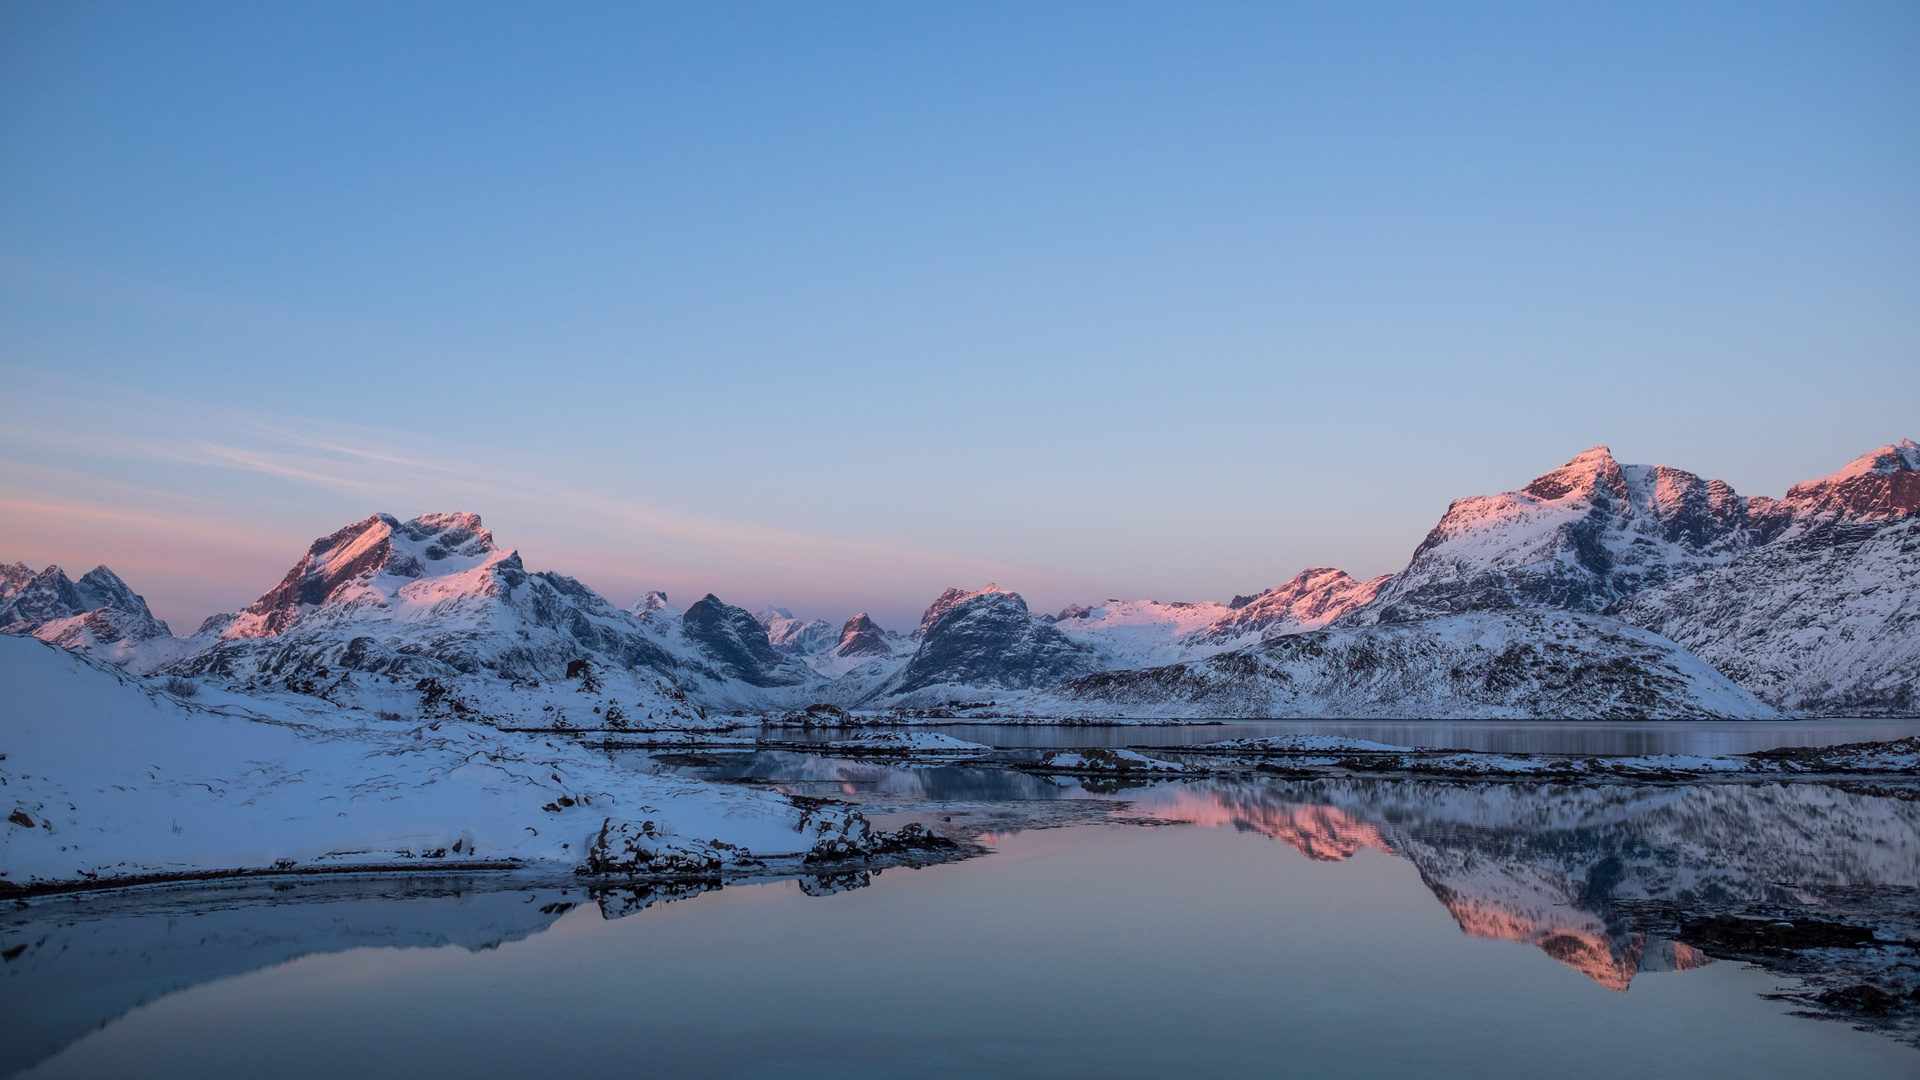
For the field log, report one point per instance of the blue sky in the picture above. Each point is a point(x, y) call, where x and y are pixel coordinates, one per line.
point(834, 305)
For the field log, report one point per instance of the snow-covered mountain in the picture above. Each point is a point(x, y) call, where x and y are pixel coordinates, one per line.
point(738, 644)
point(430, 617)
point(1511, 664)
point(1807, 600)
point(1824, 616)
point(795, 637)
point(1578, 538)
point(1145, 633)
point(98, 614)
point(1139, 633)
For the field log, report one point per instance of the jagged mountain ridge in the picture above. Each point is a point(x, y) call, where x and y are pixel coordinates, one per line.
point(1825, 617)
point(795, 637)
point(430, 616)
point(1663, 549)
point(99, 614)
point(1577, 538)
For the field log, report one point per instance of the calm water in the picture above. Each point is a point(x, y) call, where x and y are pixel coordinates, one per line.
point(1520, 736)
point(1344, 928)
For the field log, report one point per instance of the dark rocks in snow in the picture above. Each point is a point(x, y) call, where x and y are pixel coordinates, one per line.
point(845, 835)
point(627, 847)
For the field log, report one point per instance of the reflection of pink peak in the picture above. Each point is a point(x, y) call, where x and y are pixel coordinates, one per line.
point(431, 558)
point(1574, 937)
point(1321, 833)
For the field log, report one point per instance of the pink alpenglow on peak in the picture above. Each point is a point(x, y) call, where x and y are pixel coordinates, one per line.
point(1578, 538)
point(1878, 485)
point(371, 562)
point(1309, 600)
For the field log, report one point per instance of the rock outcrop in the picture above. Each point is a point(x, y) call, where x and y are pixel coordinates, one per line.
point(985, 640)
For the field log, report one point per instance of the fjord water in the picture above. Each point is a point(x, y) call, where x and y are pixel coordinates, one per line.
point(1311, 928)
point(1706, 738)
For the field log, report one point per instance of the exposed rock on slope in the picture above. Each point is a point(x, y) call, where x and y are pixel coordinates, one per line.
point(984, 640)
point(1578, 538)
point(738, 644)
point(861, 636)
point(1878, 486)
point(1825, 618)
point(1513, 664)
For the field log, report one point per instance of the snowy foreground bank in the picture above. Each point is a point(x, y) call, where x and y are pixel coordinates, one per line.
point(105, 777)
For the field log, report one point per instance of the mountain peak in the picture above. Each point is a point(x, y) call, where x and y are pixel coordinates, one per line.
point(954, 597)
point(861, 636)
point(341, 566)
point(1581, 476)
point(1903, 456)
point(1878, 485)
point(1578, 537)
point(1307, 601)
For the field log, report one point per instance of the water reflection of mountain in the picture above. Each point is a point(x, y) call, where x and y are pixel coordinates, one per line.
point(1540, 864)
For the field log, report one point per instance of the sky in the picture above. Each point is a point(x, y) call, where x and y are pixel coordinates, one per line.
point(835, 305)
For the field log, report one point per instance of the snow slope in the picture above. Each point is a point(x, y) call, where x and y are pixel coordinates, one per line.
point(106, 776)
point(1479, 665)
point(1138, 633)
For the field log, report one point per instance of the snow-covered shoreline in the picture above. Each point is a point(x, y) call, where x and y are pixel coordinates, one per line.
point(108, 778)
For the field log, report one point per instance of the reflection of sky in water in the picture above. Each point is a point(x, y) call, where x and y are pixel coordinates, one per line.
point(1324, 928)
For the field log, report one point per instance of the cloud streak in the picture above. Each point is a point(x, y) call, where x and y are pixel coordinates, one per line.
point(288, 479)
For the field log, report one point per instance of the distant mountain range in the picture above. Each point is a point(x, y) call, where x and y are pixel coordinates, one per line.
point(1596, 590)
